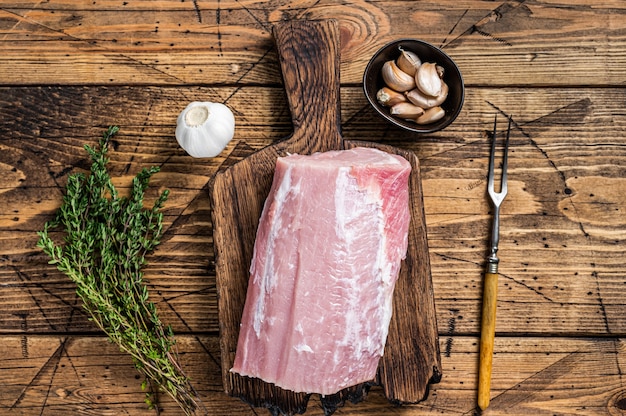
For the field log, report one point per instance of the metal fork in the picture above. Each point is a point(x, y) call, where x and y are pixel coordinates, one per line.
point(490, 285)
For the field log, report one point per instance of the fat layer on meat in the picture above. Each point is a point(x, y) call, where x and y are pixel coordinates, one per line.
point(328, 249)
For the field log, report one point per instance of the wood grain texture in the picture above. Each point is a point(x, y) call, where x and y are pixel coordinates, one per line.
point(229, 41)
point(567, 157)
point(70, 68)
point(53, 375)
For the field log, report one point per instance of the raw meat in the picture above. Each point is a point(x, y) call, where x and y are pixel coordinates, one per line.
point(328, 249)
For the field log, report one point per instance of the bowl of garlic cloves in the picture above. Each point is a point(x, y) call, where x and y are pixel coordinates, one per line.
point(414, 85)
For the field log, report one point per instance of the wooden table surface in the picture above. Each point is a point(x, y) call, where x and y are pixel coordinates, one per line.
point(70, 68)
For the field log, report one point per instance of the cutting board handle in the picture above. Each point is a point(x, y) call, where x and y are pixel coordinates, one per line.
point(309, 54)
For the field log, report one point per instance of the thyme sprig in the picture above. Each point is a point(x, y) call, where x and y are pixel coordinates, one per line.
point(107, 238)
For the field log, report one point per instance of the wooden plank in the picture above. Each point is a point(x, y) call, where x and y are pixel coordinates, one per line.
point(563, 227)
point(228, 42)
point(60, 375)
point(51, 375)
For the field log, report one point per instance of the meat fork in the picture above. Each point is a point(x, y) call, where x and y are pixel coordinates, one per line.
point(490, 285)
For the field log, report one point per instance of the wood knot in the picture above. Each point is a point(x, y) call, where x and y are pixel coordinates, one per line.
point(617, 404)
point(62, 393)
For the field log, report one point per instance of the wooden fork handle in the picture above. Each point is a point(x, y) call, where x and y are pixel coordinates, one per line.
point(487, 333)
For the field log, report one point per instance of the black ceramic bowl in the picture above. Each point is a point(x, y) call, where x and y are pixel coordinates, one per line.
point(372, 82)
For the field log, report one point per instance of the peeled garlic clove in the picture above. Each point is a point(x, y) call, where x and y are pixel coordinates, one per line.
point(420, 99)
point(440, 71)
point(427, 79)
point(406, 111)
point(397, 79)
point(204, 129)
point(443, 94)
point(388, 97)
point(408, 62)
point(431, 115)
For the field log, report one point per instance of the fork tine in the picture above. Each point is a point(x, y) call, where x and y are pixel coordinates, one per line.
point(490, 177)
point(497, 196)
point(505, 159)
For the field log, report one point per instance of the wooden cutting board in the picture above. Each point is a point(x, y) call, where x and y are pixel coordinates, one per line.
point(309, 58)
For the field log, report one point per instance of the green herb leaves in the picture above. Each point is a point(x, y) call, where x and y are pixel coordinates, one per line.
point(107, 238)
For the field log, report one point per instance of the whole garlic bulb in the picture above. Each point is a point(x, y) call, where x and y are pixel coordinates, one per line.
point(204, 129)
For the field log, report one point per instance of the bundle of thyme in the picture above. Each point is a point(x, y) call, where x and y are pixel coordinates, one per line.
point(107, 237)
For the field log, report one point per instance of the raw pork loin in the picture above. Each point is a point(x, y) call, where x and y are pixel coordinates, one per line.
point(331, 237)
